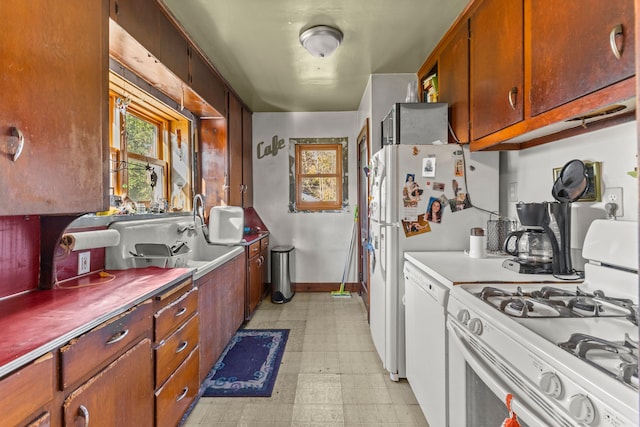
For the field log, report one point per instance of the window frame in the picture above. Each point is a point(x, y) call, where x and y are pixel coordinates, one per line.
point(299, 177)
point(120, 155)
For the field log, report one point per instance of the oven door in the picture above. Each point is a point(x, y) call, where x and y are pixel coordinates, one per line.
point(477, 393)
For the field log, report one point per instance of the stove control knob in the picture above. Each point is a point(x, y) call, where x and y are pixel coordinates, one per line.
point(582, 409)
point(551, 385)
point(475, 326)
point(464, 316)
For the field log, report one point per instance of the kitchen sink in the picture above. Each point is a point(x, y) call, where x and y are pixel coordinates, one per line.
point(168, 243)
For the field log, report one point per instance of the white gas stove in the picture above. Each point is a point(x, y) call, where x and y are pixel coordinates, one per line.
point(567, 353)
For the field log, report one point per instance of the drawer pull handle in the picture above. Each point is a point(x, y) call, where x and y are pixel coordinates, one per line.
point(182, 346)
point(183, 394)
point(84, 413)
point(118, 337)
point(615, 31)
point(18, 149)
point(180, 312)
point(512, 97)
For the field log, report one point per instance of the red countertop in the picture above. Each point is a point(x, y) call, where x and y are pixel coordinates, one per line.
point(34, 323)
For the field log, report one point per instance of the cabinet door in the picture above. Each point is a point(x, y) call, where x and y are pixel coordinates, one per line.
point(213, 161)
point(255, 283)
point(36, 381)
point(571, 49)
point(119, 395)
point(497, 74)
point(206, 83)
point(54, 87)
point(454, 82)
point(221, 307)
point(234, 121)
point(247, 158)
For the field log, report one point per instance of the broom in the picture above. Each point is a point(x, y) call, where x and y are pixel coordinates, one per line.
point(342, 293)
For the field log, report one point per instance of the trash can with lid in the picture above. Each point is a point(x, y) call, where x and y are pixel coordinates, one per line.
point(281, 264)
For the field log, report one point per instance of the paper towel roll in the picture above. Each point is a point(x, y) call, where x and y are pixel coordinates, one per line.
point(91, 239)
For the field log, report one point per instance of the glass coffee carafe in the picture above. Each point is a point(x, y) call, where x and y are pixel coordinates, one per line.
point(529, 246)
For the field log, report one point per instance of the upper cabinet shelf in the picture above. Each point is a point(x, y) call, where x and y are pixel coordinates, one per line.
point(536, 70)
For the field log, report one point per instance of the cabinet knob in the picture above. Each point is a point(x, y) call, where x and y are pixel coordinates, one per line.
point(616, 31)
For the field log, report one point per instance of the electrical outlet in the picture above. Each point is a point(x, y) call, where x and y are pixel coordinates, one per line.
point(614, 195)
point(513, 191)
point(84, 262)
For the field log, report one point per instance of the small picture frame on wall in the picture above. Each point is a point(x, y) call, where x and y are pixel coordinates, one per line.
point(594, 191)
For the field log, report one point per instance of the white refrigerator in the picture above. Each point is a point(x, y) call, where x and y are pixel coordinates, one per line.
point(422, 198)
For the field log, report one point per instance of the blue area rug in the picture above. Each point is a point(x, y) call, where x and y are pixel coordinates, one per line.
point(249, 365)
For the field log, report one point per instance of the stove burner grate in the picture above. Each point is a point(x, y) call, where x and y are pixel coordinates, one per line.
point(601, 353)
point(550, 301)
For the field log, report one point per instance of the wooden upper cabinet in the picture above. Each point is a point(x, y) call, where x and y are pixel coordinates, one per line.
point(140, 19)
point(247, 158)
point(54, 87)
point(206, 83)
point(496, 64)
point(212, 156)
point(573, 48)
point(234, 122)
point(174, 49)
point(453, 80)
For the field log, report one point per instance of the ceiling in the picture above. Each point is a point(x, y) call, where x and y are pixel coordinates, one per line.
point(254, 45)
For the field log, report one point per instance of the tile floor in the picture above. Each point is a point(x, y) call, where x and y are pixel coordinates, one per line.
point(330, 374)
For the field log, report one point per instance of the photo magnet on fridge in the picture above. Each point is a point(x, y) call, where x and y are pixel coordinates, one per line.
point(429, 167)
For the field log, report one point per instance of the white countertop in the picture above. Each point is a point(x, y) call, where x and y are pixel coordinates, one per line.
point(456, 267)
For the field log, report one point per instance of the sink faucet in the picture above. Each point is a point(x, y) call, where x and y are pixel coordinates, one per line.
point(196, 213)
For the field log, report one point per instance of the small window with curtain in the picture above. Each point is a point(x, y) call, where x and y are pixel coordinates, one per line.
point(319, 176)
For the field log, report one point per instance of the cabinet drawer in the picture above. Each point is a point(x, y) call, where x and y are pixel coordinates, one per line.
point(254, 249)
point(88, 353)
point(164, 299)
point(175, 349)
point(264, 243)
point(172, 316)
point(35, 381)
point(44, 420)
point(175, 396)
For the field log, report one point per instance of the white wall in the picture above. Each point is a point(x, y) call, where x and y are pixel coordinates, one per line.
point(382, 91)
point(321, 240)
point(532, 171)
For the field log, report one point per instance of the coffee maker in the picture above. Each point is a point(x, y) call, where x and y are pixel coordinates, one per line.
point(531, 245)
point(548, 225)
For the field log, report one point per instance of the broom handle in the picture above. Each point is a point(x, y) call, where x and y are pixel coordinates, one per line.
point(351, 245)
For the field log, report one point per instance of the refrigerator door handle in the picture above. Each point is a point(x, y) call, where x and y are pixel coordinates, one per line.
point(389, 224)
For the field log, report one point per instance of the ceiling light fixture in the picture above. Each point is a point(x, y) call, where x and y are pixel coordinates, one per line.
point(321, 40)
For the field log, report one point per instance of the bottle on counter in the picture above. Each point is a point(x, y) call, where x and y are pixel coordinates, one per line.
point(251, 230)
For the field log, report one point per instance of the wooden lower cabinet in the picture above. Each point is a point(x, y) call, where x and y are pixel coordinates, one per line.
point(143, 367)
point(257, 256)
point(119, 395)
point(35, 380)
point(221, 295)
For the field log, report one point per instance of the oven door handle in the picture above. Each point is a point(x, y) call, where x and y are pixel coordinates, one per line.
point(498, 387)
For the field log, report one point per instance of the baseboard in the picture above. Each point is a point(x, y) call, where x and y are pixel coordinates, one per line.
point(323, 287)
